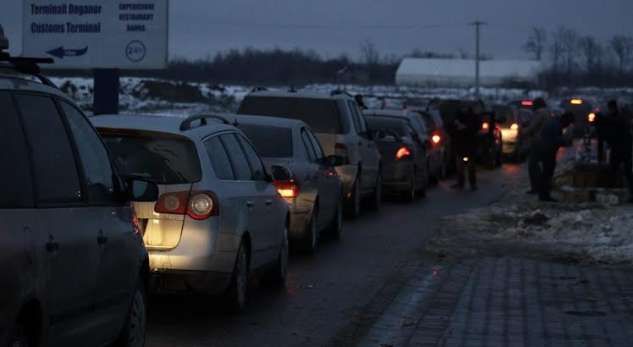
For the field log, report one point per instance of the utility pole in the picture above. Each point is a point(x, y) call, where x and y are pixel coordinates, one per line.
point(477, 24)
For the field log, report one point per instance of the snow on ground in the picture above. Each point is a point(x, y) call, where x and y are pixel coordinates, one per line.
point(581, 232)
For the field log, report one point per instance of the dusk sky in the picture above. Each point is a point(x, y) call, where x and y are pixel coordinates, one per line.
point(331, 27)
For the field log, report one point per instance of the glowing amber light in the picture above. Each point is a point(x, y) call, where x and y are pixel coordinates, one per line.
point(514, 126)
point(436, 139)
point(485, 126)
point(576, 101)
point(591, 117)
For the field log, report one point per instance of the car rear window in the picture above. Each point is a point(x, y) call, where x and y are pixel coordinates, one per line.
point(270, 141)
point(161, 158)
point(321, 114)
point(387, 123)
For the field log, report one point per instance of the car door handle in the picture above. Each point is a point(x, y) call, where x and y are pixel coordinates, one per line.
point(51, 245)
point(269, 202)
point(250, 204)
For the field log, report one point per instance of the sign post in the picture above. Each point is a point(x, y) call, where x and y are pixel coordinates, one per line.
point(105, 35)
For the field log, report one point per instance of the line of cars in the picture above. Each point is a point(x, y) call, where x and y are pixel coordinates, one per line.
point(97, 213)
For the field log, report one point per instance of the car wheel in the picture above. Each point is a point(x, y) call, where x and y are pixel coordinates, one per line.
point(20, 338)
point(425, 185)
point(279, 273)
point(237, 294)
point(336, 226)
point(311, 236)
point(133, 334)
point(376, 198)
point(353, 207)
point(411, 193)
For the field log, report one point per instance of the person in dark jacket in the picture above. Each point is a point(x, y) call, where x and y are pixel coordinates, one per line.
point(531, 133)
point(615, 129)
point(542, 163)
point(464, 132)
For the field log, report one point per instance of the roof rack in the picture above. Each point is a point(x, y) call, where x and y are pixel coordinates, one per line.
point(187, 124)
point(25, 65)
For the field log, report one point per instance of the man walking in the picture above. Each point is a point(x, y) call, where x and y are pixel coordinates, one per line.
point(531, 132)
point(464, 135)
point(543, 154)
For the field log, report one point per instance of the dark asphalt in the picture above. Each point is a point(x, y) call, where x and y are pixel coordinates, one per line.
point(325, 292)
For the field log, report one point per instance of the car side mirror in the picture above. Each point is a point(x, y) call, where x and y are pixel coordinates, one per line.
point(142, 191)
point(280, 173)
point(334, 160)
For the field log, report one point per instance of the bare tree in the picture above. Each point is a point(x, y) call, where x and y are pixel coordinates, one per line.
point(622, 46)
point(369, 53)
point(564, 49)
point(536, 43)
point(592, 53)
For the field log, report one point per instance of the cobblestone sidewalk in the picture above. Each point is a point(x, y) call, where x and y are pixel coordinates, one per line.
point(512, 302)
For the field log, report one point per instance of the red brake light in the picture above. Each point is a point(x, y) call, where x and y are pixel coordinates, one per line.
point(197, 205)
point(287, 189)
point(527, 103)
point(436, 139)
point(403, 153)
point(485, 126)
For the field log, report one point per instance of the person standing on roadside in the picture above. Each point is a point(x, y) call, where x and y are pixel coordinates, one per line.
point(615, 130)
point(464, 134)
point(539, 117)
point(543, 154)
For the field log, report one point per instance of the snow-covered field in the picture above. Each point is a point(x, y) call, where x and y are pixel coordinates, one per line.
point(137, 95)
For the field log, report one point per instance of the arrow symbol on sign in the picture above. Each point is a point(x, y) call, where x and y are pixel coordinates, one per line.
point(60, 52)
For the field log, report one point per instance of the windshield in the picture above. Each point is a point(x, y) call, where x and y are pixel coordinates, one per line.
point(270, 141)
point(321, 114)
point(386, 123)
point(163, 159)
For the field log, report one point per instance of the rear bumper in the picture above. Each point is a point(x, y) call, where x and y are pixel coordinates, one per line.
point(174, 281)
point(397, 176)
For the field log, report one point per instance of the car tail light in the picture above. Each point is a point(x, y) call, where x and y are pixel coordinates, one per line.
point(197, 205)
point(527, 103)
point(403, 153)
point(485, 126)
point(591, 117)
point(514, 126)
point(436, 139)
point(287, 189)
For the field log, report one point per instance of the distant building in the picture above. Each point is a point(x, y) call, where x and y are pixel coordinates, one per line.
point(461, 72)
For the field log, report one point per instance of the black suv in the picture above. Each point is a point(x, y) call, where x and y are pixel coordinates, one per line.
point(73, 267)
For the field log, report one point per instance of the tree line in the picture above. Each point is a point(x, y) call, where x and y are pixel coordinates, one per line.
point(573, 60)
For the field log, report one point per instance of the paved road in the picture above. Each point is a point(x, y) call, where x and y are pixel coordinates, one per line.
point(325, 292)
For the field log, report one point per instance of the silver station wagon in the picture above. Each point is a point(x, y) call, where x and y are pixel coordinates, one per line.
point(219, 218)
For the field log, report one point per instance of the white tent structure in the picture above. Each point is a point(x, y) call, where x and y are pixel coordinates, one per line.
point(461, 72)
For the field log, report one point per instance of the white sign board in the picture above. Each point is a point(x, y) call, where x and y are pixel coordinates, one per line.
point(87, 34)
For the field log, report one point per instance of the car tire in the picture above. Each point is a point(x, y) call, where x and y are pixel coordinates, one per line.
point(412, 192)
point(335, 229)
point(278, 274)
point(310, 241)
point(376, 197)
point(353, 204)
point(19, 337)
point(237, 294)
point(133, 333)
